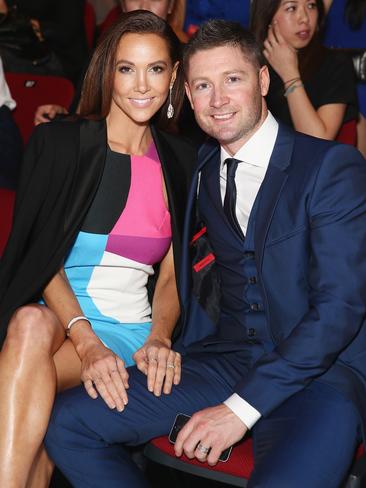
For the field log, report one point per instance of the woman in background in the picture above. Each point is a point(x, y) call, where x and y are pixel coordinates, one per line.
point(312, 88)
point(99, 209)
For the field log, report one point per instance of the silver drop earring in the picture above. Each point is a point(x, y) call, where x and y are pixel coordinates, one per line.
point(170, 111)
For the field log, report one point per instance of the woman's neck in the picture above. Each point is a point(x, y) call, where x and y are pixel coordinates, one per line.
point(127, 136)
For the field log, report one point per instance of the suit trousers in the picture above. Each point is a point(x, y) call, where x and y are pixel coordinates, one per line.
point(86, 439)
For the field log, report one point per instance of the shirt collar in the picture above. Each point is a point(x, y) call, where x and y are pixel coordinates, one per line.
point(258, 149)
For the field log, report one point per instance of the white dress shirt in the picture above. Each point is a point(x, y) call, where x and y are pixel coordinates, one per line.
point(254, 158)
point(5, 97)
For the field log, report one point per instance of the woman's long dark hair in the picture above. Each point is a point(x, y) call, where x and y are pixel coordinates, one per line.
point(97, 88)
point(261, 15)
point(355, 13)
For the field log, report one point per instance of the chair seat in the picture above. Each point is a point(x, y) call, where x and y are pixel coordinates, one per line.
point(237, 470)
point(239, 464)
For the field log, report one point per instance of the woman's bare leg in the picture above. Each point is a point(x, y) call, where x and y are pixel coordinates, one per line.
point(27, 389)
point(67, 364)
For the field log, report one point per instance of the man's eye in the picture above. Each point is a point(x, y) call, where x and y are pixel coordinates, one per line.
point(201, 86)
point(233, 79)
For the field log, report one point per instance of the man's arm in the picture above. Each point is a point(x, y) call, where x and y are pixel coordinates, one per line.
point(336, 282)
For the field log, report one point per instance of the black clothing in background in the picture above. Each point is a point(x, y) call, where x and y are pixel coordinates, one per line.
point(332, 81)
point(62, 24)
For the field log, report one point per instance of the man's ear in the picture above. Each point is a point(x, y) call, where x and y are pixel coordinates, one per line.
point(189, 94)
point(264, 80)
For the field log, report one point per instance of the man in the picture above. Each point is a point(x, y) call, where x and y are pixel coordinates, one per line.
point(286, 356)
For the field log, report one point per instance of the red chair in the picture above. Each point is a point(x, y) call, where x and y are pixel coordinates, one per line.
point(7, 198)
point(236, 471)
point(90, 24)
point(29, 91)
point(348, 133)
point(111, 17)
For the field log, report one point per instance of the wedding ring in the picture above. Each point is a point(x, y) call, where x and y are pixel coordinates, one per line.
point(170, 365)
point(202, 448)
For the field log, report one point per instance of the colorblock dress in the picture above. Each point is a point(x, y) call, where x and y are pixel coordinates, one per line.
point(126, 231)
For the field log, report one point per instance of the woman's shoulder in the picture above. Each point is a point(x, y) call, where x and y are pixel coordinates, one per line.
point(57, 129)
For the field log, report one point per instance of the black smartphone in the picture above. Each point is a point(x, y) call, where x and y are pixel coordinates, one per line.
point(180, 420)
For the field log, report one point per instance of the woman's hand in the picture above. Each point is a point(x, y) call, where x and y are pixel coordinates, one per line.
point(281, 56)
point(160, 364)
point(104, 372)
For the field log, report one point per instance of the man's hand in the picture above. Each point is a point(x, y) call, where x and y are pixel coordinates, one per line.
point(161, 365)
point(214, 428)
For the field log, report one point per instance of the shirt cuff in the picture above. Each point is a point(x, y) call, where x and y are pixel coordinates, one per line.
point(247, 414)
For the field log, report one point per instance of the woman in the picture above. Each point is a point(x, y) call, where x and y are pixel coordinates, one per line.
point(100, 205)
point(173, 11)
point(312, 88)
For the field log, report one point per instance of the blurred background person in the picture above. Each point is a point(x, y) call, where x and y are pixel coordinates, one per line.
point(61, 25)
point(199, 11)
point(10, 138)
point(312, 88)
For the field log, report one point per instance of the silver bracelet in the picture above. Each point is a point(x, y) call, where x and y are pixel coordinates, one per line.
point(291, 88)
point(73, 321)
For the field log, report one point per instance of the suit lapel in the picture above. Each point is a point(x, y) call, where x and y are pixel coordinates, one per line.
point(92, 154)
point(271, 188)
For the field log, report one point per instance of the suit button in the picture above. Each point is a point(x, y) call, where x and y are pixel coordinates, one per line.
point(249, 255)
point(252, 280)
point(255, 307)
point(251, 332)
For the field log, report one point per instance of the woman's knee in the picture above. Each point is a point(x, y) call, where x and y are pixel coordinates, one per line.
point(33, 324)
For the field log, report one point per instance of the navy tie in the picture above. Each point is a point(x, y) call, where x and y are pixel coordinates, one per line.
point(230, 195)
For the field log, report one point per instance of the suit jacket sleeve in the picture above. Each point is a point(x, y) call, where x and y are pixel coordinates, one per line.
point(336, 285)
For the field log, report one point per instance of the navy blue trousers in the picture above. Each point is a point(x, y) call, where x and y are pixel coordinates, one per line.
point(307, 442)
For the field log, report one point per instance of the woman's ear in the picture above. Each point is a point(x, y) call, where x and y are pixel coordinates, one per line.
point(171, 6)
point(174, 73)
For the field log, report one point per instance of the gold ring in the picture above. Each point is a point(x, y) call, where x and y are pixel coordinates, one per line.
point(170, 365)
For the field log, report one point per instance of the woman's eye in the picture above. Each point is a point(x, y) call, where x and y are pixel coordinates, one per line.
point(312, 5)
point(124, 69)
point(157, 69)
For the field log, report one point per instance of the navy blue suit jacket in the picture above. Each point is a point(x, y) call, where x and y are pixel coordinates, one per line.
point(310, 245)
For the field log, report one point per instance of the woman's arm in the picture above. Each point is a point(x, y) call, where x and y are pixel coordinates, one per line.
point(324, 122)
point(101, 369)
point(155, 358)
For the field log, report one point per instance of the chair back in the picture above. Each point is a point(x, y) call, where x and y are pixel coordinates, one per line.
point(29, 91)
point(348, 133)
point(90, 24)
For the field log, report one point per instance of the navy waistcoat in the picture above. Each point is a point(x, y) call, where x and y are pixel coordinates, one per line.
point(242, 315)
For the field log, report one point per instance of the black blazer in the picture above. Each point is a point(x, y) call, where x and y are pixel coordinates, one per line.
point(61, 172)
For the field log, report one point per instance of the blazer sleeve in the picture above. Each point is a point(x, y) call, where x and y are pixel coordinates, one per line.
point(337, 285)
